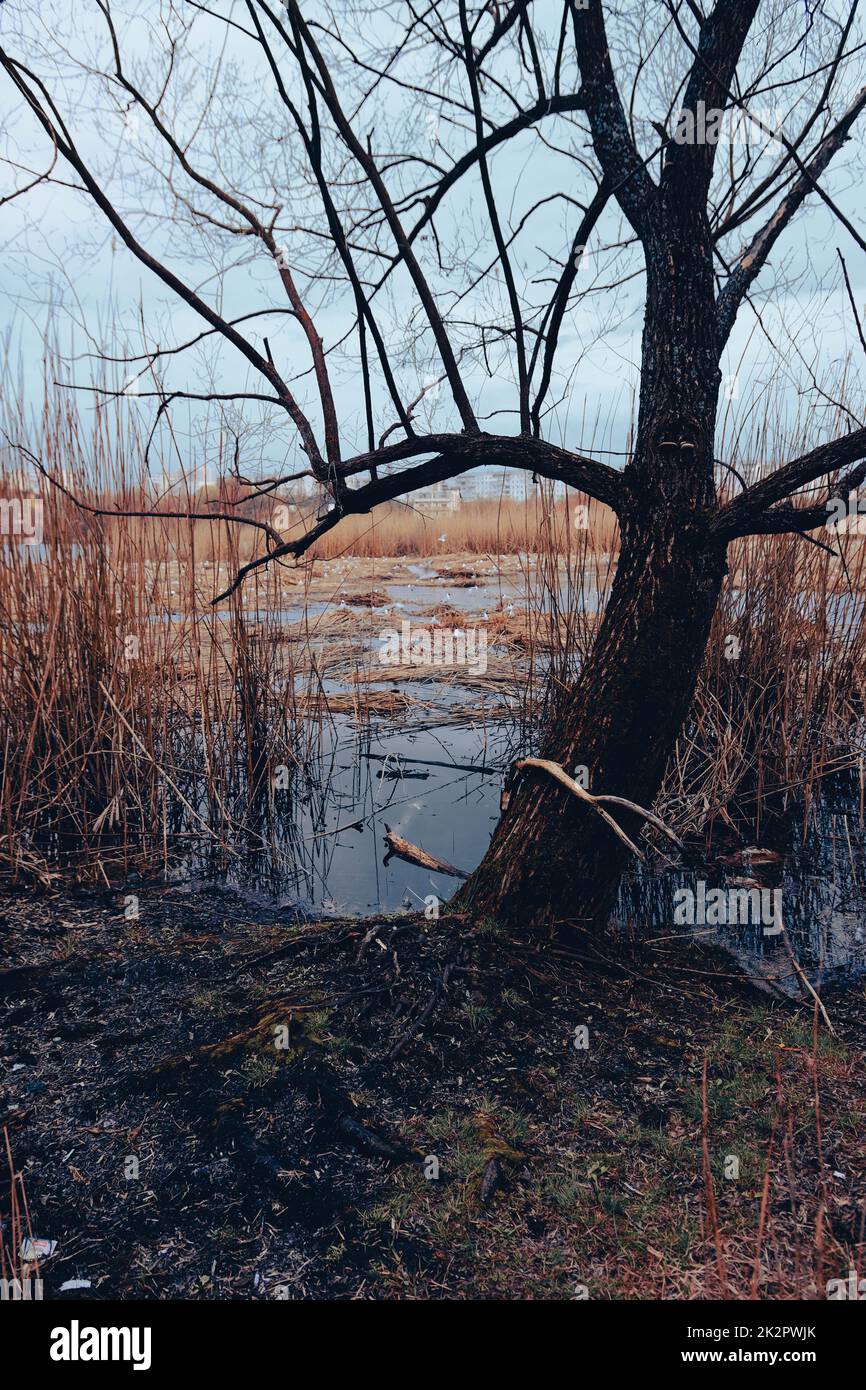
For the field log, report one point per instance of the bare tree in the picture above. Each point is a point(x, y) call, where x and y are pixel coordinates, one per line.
point(413, 249)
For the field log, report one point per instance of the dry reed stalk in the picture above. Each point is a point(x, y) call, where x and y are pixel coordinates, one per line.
point(709, 1186)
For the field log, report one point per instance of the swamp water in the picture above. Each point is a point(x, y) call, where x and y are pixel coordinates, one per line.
point(433, 774)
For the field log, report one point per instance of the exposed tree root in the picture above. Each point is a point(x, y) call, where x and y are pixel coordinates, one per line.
point(558, 772)
point(421, 1018)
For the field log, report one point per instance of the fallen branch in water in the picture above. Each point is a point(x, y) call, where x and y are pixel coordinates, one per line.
point(562, 777)
point(326, 834)
point(399, 758)
point(413, 855)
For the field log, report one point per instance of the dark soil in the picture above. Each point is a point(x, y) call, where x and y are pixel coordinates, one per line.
point(205, 1104)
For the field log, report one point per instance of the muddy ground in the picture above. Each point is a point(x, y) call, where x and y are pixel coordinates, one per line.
point(209, 1104)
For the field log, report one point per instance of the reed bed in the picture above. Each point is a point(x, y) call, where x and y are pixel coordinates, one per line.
point(134, 715)
point(778, 710)
point(131, 711)
point(486, 527)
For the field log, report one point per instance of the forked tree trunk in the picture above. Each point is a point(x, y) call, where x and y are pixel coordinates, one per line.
point(552, 859)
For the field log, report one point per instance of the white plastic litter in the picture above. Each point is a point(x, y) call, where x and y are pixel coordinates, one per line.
point(32, 1249)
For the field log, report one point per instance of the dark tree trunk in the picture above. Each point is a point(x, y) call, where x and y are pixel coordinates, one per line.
point(552, 859)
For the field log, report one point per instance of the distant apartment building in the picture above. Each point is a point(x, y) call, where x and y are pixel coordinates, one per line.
point(505, 485)
point(434, 500)
point(479, 485)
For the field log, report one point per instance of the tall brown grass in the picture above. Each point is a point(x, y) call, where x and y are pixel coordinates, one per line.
point(478, 528)
point(130, 710)
point(779, 706)
point(15, 1228)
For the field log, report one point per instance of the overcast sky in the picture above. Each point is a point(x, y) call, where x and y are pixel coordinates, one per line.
point(64, 272)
